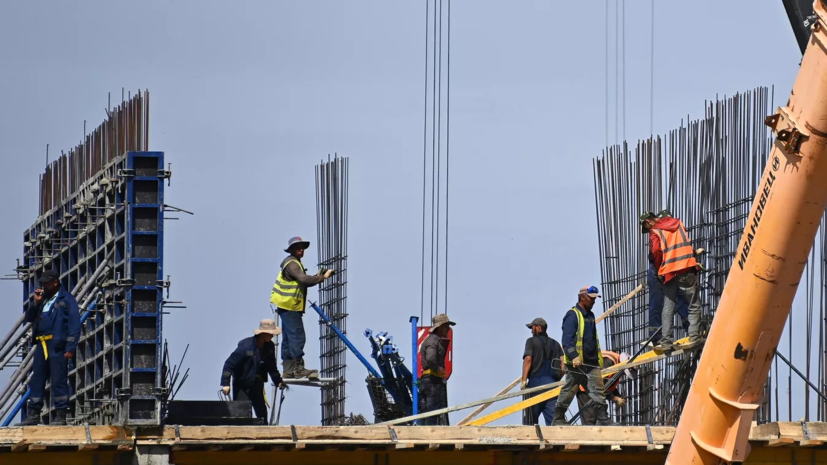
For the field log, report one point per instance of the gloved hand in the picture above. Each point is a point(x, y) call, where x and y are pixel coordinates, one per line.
point(523, 385)
point(620, 401)
point(226, 390)
point(576, 362)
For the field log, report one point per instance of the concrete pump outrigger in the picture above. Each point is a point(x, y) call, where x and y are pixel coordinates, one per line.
point(762, 282)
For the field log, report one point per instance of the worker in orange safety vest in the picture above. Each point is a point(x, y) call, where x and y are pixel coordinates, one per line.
point(674, 259)
point(587, 414)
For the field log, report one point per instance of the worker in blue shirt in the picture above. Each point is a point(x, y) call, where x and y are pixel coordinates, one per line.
point(56, 328)
point(583, 358)
point(249, 365)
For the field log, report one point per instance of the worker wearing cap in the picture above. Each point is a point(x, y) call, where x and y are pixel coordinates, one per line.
point(587, 413)
point(432, 392)
point(56, 328)
point(289, 295)
point(249, 365)
point(674, 258)
point(542, 364)
point(656, 295)
point(583, 358)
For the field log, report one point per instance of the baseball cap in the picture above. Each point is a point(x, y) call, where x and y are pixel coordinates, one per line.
point(537, 322)
point(49, 276)
point(592, 291)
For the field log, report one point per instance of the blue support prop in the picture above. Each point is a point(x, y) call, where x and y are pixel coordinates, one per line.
point(415, 366)
point(17, 407)
point(347, 342)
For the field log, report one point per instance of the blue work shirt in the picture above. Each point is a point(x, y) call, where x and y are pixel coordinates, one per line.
point(570, 328)
point(247, 362)
point(58, 317)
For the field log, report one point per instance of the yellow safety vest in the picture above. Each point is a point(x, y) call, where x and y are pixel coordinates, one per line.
point(286, 294)
point(578, 344)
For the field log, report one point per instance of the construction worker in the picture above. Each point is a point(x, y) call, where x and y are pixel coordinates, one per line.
point(249, 364)
point(542, 364)
point(674, 258)
point(432, 392)
point(289, 295)
point(587, 414)
point(583, 358)
point(56, 328)
point(656, 296)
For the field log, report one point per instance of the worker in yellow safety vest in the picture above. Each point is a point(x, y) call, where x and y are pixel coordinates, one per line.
point(583, 358)
point(289, 295)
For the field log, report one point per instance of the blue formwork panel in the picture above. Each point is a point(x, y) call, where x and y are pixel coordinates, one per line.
point(113, 226)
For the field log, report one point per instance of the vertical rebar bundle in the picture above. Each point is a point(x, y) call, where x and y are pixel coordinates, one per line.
point(331, 225)
point(125, 129)
point(706, 173)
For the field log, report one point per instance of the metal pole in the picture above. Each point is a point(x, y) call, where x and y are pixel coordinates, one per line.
point(415, 365)
point(347, 342)
point(17, 408)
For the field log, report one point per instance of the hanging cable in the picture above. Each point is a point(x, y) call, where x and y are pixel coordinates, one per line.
point(617, 94)
point(606, 33)
point(438, 161)
point(652, 76)
point(424, 169)
point(623, 23)
point(447, 151)
point(433, 159)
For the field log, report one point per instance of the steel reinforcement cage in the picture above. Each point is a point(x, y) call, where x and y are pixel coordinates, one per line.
point(101, 225)
point(706, 173)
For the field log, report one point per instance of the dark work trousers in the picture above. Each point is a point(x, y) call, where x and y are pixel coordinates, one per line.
point(546, 407)
point(688, 283)
point(656, 303)
point(292, 334)
point(254, 394)
point(433, 395)
point(588, 417)
point(587, 377)
point(55, 369)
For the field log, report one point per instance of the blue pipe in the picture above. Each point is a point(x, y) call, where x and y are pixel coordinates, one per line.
point(415, 365)
point(17, 407)
point(350, 346)
point(25, 397)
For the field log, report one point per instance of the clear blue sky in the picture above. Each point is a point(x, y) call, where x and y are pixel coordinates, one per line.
point(247, 96)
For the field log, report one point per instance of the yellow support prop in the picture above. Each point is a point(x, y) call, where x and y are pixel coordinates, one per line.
point(642, 359)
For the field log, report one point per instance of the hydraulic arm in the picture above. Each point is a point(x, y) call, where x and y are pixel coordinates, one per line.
point(764, 277)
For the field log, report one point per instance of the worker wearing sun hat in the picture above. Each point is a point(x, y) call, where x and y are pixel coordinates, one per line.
point(249, 365)
point(581, 350)
point(289, 295)
point(433, 394)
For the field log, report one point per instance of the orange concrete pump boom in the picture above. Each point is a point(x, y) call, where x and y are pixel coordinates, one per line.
point(764, 277)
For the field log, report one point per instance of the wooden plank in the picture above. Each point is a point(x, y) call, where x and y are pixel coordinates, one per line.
point(810, 442)
point(571, 447)
point(37, 447)
point(405, 445)
point(645, 358)
point(780, 442)
point(20, 446)
point(87, 447)
point(246, 448)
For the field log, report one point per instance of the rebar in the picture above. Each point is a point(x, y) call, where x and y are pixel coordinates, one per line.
point(706, 173)
point(331, 228)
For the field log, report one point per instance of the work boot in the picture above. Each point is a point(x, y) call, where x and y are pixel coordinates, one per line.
point(603, 415)
point(303, 372)
point(60, 418)
point(289, 369)
point(559, 417)
point(32, 419)
point(662, 346)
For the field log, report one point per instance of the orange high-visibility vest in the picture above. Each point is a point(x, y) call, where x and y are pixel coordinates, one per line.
point(615, 358)
point(678, 254)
